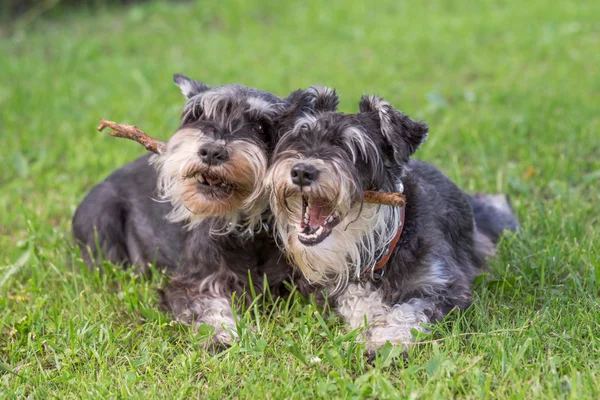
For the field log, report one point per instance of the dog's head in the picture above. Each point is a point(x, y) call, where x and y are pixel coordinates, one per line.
point(321, 168)
point(215, 163)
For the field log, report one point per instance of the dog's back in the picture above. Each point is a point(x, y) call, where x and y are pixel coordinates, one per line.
point(120, 221)
point(491, 213)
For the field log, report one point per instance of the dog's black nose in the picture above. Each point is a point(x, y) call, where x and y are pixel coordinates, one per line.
point(304, 174)
point(213, 154)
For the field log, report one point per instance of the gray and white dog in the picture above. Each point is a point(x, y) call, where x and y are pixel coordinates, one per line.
point(211, 170)
point(395, 268)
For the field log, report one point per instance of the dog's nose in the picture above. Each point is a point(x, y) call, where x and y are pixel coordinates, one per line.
point(213, 154)
point(304, 174)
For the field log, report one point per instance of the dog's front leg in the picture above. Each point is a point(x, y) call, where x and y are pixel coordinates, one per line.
point(361, 301)
point(196, 301)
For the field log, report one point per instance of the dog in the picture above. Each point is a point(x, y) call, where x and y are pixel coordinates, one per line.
point(395, 268)
point(206, 180)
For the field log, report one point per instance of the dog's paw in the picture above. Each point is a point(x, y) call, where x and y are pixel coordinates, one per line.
point(212, 319)
point(396, 335)
point(397, 328)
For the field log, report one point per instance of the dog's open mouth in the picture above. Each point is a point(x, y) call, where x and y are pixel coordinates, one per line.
point(213, 183)
point(317, 221)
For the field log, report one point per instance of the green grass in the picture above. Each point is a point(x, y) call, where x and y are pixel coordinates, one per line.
point(511, 91)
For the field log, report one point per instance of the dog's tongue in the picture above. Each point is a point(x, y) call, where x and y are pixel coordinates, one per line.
point(212, 180)
point(318, 213)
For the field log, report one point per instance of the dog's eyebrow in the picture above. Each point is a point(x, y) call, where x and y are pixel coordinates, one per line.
point(259, 105)
point(255, 114)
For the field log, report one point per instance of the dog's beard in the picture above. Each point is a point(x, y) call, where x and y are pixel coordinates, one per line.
point(328, 233)
point(231, 190)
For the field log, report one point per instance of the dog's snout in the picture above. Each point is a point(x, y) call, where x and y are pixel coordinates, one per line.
point(304, 174)
point(213, 154)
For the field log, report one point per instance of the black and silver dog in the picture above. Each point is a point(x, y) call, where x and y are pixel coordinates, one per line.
point(212, 168)
point(395, 268)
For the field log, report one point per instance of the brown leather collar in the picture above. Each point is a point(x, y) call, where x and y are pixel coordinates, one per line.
point(392, 246)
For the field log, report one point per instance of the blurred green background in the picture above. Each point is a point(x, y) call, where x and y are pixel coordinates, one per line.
point(510, 90)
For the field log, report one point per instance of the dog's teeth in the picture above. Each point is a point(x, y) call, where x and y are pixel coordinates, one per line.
point(319, 231)
point(329, 219)
point(199, 178)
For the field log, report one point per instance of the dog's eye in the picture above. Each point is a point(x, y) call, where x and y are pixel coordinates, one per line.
point(259, 128)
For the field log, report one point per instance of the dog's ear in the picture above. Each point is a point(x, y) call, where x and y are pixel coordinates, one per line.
point(403, 134)
point(303, 102)
point(189, 87)
point(312, 100)
point(321, 99)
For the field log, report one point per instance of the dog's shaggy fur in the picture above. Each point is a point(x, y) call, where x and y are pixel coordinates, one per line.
point(321, 168)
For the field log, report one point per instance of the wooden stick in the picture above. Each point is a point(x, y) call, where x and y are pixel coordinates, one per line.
point(385, 198)
point(158, 146)
point(135, 134)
